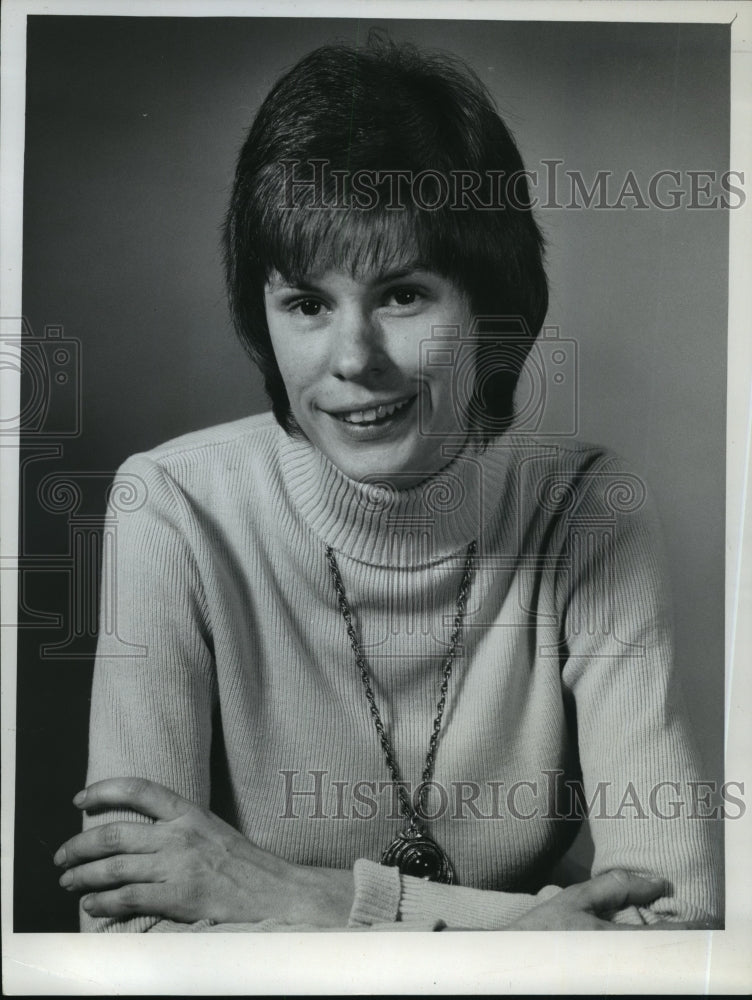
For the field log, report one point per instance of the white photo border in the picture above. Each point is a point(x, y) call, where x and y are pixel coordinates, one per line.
point(488, 962)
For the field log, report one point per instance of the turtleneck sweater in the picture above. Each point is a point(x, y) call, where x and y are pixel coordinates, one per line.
point(224, 669)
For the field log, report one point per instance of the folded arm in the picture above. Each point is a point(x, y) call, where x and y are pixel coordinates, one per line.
point(190, 869)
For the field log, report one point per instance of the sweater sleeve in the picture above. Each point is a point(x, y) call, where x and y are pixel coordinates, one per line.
point(641, 782)
point(154, 687)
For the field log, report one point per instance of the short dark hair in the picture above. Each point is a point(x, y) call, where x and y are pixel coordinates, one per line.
point(345, 112)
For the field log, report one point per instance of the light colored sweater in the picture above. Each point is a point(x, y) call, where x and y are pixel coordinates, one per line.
point(226, 624)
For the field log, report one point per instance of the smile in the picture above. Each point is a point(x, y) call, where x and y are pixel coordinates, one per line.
point(374, 415)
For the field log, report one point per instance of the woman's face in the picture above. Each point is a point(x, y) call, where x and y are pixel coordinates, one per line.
point(349, 350)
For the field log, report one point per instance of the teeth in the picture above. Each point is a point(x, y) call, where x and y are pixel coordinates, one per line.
point(375, 413)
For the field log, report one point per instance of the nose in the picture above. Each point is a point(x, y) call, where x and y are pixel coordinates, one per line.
point(357, 346)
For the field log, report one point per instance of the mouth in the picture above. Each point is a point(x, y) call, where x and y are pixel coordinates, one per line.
point(374, 415)
point(374, 421)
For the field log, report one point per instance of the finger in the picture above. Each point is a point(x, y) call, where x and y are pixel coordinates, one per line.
point(147, 797)
point(185, 902)
point(107, 840)
point(618, 888)
point(150, 899)
point(121, 869)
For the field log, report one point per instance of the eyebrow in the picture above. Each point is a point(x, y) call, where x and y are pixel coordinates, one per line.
point(381, 277)
point(403, 271)
point(281, 284)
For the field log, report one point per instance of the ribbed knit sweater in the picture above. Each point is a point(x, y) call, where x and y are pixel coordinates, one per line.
point(225, 671)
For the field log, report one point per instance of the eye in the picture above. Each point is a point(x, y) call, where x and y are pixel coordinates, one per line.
point(307, 307)
point(405, 295)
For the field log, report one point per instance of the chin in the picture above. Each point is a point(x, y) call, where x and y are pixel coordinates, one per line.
point(397, 456)
point(387, 468)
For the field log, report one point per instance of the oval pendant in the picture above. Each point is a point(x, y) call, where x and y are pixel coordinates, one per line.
point(418, 855)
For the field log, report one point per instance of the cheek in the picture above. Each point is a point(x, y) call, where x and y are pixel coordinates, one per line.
point(290, 360)
point(300, 382)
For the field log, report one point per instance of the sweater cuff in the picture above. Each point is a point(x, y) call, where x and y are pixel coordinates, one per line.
point(464, 908)
point(377, 894)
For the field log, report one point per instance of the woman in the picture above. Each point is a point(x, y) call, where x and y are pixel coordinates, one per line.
point(398, 645)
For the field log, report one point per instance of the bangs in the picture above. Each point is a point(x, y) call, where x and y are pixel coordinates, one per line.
point(304, 241)
point(330, 230)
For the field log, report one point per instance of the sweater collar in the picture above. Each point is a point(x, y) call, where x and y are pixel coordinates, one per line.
point(378, 524)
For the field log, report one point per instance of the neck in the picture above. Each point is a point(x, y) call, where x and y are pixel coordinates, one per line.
point(376, 523)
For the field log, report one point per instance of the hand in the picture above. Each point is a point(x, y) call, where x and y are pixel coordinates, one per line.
point(189, 865)
point(589, 905)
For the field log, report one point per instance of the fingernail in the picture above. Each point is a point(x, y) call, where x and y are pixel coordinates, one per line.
point(65, 879)
point(59, 858)
point(87, 902)
point(79, 798)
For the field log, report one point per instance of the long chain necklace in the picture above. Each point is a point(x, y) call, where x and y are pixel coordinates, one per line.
point(413, 851)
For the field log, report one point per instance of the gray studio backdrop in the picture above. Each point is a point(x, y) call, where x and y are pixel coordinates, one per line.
point(133, 125)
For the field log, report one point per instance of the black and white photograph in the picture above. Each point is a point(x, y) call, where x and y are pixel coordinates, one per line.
point(375, 432)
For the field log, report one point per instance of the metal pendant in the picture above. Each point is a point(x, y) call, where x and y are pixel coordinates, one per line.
point(416, 854)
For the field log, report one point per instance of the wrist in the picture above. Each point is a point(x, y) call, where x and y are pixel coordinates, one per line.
point(321, 896)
